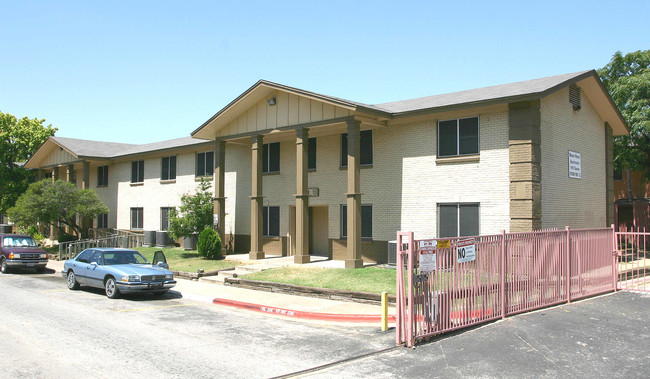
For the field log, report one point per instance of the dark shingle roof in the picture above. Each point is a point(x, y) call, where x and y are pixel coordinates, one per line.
point(99, 149)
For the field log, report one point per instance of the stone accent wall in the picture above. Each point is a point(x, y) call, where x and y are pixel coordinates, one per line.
point(609, 146)
point(524, 138)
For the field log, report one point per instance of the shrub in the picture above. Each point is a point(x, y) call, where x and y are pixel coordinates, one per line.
point(64, 237)
point(209, 244)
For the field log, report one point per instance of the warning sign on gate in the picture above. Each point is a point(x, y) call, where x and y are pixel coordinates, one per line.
point(466, 250)
point(427, 254)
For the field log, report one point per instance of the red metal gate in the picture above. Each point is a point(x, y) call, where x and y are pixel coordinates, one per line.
point(507, 273)
point(633, 248)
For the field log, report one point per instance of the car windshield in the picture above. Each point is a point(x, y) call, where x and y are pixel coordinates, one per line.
point(18, 242)
point(123, 257)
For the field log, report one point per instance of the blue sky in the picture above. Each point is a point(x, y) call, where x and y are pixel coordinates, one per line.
point(146, 71)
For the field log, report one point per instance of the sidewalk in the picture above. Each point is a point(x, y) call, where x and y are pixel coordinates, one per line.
point(276, 304)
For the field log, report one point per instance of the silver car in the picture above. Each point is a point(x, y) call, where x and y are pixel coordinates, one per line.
point(119, 271)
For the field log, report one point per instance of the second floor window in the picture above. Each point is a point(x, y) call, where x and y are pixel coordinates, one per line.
point(205, 163)
point(137, 172)
point(458, 137)
point(271, 157)
point(168, 168)
point(365, 144)
point(102, 176)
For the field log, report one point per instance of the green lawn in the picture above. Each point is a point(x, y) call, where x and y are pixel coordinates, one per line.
point(187, 260)
point(369, 279)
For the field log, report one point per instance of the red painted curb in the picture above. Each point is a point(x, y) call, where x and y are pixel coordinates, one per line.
point(302, 314)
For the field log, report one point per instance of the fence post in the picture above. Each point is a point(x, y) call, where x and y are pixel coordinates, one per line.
point(614, 259)
point(503, 274)
point(568, 264)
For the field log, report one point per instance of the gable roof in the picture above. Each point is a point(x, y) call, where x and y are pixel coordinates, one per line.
point(511, 92)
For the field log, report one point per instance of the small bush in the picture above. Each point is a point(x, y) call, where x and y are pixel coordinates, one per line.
point(64, 237)
point(209, 244)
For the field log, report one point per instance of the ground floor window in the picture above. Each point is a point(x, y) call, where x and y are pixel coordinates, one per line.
point(102, 221)
point(458, 219)
point(271, 222)
point(164, 218)
point(137, 218)
point(366, 221)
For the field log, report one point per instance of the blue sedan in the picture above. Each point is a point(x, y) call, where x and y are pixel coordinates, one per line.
point(119, 271)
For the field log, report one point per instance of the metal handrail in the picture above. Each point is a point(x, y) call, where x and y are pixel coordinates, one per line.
point(123, 239)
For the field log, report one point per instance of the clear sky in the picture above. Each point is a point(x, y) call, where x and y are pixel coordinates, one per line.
point(146, 71)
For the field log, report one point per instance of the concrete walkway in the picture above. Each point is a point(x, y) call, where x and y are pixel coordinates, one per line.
point(274, 304)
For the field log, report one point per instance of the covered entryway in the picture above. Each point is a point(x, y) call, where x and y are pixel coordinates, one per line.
point(318, 230)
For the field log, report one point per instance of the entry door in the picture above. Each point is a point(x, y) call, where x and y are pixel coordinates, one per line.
point(318, 231)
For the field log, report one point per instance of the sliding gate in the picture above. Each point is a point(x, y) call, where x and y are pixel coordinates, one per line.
point(454, 283)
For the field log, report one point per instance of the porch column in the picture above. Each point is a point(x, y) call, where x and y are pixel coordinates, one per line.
point(85, 175)
point(302, 197)
point(219, 189)
point(55, 174)
point(257, 200)
point(354, 197)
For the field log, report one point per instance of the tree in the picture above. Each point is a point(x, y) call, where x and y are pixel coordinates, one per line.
point(194, 214)
point(627, 78)
point(55, 203)
point(19, 139)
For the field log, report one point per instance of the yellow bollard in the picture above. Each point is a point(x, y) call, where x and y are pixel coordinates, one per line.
point(384, 311)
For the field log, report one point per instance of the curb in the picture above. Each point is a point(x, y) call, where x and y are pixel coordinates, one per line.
point(335, 317)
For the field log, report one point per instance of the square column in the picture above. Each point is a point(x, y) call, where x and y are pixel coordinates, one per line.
point(354, 196)
point(219, 189)
point(257, 200)
point(302, 198)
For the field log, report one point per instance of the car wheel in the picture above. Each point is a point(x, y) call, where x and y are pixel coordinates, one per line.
point(3, 267)
point(73, 284)
point(111, 289)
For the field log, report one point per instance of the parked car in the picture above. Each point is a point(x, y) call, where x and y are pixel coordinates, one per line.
point(119, 271)
point(21, 251)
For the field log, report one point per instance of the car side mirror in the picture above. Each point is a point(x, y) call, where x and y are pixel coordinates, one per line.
point(93, 264)
point(163, 265)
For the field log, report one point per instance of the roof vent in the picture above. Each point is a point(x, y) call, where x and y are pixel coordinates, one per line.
point(574, 97)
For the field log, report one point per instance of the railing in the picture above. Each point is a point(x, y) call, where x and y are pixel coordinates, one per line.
point(511, 273)
point(123, 239)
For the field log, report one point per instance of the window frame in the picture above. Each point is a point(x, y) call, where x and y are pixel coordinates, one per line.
point(137, 171)
point(102, 176)
point(266, 220)
point(458, 219)
point(164, 227)
point(102, 221)
point(268, 152)
point(171, 171)
point(312, 157)
point(368, 156)
point(344, 221)
point(203, 157)
point(458, 137)
point(139, 219)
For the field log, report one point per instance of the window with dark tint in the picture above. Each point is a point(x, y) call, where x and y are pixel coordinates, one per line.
point(102, 221)
point(137, 171)
point(205, 163)
point(618, 174)
point(271, 222)
point(136, 218)
point(102, 176)
point(365, 143)
point(271, 157)
point(311, 153)
point(97, 257)
point(366, 221)
point(458, 137)
point(85, 256)
point(458, 220)
point(168, 168)
point(164, 218)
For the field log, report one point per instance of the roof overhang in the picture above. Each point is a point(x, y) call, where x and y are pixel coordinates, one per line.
point(49, 146)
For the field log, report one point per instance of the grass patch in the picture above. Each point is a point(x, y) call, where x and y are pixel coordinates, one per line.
point(369, 279)
point(187, 260)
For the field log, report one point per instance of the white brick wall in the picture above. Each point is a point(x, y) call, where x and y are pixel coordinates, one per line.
point(579, 203)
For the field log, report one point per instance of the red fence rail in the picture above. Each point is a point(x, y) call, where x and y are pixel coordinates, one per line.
point(511, 273)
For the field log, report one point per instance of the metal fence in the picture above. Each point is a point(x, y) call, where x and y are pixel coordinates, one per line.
point(510, 273)
point(633, 264)
point(123, 239)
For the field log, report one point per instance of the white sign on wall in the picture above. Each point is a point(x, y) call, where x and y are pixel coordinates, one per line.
point(575, 165)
